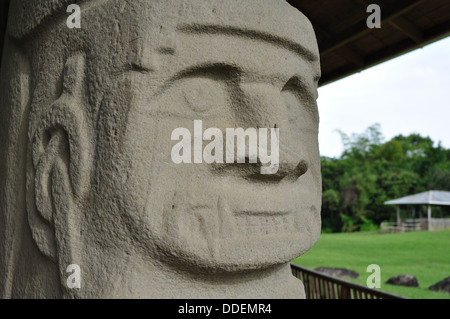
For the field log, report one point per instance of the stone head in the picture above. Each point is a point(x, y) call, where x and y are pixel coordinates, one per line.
point(100, 103)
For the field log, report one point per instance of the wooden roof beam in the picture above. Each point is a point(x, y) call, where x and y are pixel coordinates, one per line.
point(408, 29)
point(359, 30)
point(351, 56)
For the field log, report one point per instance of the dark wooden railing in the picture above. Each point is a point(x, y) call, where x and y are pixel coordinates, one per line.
point(322, 286)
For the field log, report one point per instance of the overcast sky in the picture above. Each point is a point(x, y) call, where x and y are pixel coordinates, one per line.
point(409, 94)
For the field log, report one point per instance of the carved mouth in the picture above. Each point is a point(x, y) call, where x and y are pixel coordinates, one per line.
point(236, 214)
point(224, 231)
point(251, 224)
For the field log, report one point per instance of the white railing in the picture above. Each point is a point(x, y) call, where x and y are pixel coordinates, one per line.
point(439, 223)
point(415, 224)
point(389, 227)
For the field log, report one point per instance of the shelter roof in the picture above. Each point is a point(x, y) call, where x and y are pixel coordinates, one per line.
point(431, 197)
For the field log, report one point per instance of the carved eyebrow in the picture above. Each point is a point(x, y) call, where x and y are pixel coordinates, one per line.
point(253, 34)
point(222, 70)
point(302, 90)
point(218, 71)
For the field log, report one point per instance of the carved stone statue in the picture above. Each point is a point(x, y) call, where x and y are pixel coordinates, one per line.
point(86, 174)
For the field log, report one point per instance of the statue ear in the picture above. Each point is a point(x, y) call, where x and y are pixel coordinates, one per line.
point(61, 159)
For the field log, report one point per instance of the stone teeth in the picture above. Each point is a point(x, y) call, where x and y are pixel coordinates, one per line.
point(250, 225)
point(171, 226)
point(227, 224)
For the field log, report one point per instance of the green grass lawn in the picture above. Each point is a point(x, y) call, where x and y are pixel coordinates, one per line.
point(423, 254)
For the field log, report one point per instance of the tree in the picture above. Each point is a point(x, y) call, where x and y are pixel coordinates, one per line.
point(370, 172)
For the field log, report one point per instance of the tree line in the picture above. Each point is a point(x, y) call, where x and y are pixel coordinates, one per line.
point(371, 171)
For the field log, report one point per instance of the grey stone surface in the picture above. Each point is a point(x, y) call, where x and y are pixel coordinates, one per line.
point(442, 286)
point(403, 280)
point(338, 272)
point(85, 152)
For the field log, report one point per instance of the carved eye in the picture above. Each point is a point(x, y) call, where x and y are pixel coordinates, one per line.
point(193, 97)
point(290, 100)
point(299, 101)
point(203, 94)
point(199, 92)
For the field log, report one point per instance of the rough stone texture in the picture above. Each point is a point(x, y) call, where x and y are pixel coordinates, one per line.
point(85, 151)
point(442, 286)
point(338, 272)
point(403, 280)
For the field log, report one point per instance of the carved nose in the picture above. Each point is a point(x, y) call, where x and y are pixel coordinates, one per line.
point(291, 169)
point(286, 171)
point(261, 106)
point(265, 107)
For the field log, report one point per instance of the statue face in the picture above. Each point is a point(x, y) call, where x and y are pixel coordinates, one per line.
point(224, 217)
point(101, 188)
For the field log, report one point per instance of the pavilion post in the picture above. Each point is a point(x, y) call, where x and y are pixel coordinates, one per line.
point(429, 217)
point(399, 221)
